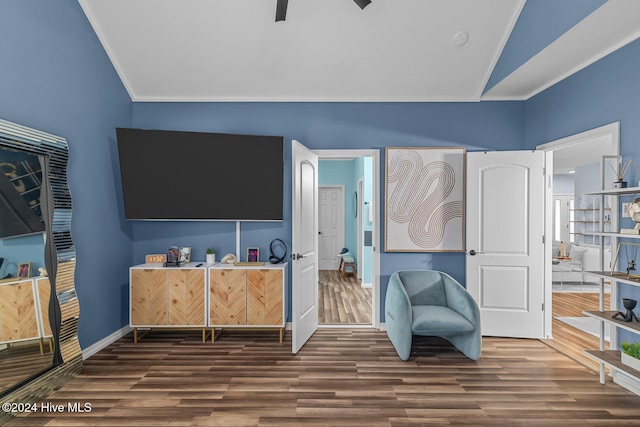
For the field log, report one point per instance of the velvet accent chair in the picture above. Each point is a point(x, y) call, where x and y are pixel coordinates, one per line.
point(431, 303)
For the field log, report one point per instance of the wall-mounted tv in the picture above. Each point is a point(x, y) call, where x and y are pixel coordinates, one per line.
point(177, 175)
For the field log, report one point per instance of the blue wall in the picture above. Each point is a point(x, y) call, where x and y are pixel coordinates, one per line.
point(605, 92)
point(487, 125)
point(21, 249)
point(56, 77)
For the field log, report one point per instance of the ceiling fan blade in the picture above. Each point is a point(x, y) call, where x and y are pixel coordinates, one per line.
point(362, 3)
point(281, 10)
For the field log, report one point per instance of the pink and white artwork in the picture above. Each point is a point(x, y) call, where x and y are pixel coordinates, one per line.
point(425, 190)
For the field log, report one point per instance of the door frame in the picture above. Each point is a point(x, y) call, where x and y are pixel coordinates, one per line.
point(342, 232)
point(359, 218)
point(348, 154)
point(610, 132)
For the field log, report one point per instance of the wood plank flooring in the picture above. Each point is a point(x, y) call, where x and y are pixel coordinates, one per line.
point(341, 377)
point(342, 301)
point(19, 362)
point(568, 340)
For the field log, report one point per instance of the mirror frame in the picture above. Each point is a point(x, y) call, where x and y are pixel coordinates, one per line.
point(60, 260)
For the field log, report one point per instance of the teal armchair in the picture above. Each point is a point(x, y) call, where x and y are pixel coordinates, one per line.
point(431, 303)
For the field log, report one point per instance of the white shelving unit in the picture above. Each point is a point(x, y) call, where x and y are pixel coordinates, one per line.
point(611, 358)
point(585, 220)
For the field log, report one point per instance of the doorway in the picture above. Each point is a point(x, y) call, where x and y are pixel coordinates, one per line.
point(577, 162)
point(347, 297)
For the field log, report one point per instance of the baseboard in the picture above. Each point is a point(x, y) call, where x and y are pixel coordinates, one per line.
point(627, 382)
point(367, 285)
point(382, 326)
point(106, 341)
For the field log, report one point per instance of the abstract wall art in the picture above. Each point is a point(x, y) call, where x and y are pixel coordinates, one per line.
point(425, 196)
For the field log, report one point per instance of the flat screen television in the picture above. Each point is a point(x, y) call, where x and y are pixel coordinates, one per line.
point(178, 175)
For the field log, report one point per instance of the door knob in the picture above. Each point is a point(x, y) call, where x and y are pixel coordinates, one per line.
point(472, 252)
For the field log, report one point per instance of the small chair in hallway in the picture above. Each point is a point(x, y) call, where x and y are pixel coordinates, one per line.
point(347, 265)
point(431, 303)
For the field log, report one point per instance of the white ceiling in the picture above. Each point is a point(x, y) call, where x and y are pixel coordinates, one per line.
point(331, 50)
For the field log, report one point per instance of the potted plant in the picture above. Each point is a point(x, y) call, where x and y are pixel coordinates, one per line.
point(630, 354)
point(211, 256)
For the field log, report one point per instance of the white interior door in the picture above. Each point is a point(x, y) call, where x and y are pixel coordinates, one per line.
point(304, 245)
point(331, 226)
point(505, 246)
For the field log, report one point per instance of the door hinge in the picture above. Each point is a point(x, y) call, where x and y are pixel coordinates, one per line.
point(542, 306)
point(543, 239)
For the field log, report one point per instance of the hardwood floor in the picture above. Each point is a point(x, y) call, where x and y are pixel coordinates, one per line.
point(18, 363)
point(568, 340)
point(341, 377)
point(342, 301)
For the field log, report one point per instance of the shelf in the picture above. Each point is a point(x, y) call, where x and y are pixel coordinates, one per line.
point(618, 277)
point(612, 359)
point(589, 209)
point(615, 192)
point(582, 221)
point(607, 316)
point(611, 234)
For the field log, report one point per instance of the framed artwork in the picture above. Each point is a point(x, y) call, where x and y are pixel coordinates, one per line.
point(184, 254)
point(24, 269)
point(425, 199)
point(253, 254)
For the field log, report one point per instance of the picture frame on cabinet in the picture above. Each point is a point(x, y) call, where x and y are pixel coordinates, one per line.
point(173, 254)
point(24, 269)
point(253, 254)
point(184, 254)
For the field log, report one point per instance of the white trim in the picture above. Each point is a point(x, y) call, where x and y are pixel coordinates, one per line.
point(276, 99)
point(611, 130)
point(105, 342)
point(366, 285)
point(360, 228)
point(626, 381)
point(612, 133)
point(498, 52)
point(104, 41)
point(345, 326)
point(375, 241)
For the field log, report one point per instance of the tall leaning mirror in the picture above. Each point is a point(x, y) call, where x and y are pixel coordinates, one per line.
point(39, 309)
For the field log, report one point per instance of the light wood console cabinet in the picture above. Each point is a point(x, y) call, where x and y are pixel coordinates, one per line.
point(173, 297)
point(24, 311)
point(247, 297)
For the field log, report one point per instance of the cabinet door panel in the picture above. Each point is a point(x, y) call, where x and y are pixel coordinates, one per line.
point(227, 297)
point(18, 318)
point(264, 297)
point(186, 297)
point(149, 302)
